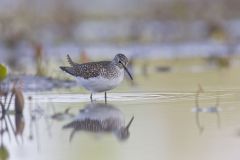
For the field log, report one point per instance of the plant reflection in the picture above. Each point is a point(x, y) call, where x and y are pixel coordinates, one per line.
point(60, 116)
point(47, 113)
point(6, 114)
point(36, 113)
point(210, 109)
point(15, 91)
point(100, 118)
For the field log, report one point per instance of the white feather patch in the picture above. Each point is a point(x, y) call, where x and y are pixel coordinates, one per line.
point(100, 84)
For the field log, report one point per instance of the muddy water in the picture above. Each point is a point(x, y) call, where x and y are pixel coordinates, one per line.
point(170, 121)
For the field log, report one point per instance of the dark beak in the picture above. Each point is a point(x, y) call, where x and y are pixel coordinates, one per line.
point(129, 123)
point(127, 71)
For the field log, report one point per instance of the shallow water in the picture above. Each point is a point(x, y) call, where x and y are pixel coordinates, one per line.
point(168, 123)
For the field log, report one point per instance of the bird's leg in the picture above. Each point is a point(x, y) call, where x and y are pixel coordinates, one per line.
point(105, 97)
point(91, 97)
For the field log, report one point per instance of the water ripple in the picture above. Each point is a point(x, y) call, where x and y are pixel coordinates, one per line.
point(123, 97)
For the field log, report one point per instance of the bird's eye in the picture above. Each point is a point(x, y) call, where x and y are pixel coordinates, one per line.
point(119, 61)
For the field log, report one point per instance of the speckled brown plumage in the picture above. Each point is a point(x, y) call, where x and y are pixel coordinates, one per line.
point(106, 69)
point(93, 69)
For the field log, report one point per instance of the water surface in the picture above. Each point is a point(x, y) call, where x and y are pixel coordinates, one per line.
point(168, 124)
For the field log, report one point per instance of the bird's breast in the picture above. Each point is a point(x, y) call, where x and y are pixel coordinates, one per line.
point(101, 83)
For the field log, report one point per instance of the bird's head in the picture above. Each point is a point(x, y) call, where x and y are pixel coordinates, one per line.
point(121, 61)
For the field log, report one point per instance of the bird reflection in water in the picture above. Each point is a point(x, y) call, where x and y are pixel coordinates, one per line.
point(100, 118)
point(210, 109)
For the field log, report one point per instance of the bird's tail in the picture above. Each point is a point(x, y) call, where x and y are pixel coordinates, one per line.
point(69, 70)
point(70, 61)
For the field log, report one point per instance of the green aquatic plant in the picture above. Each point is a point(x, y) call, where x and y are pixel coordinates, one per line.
point(4, 153)
point(3, 72)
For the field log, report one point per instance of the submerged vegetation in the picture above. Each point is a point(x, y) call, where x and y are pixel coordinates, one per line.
point(7, 95)
point(3, 72)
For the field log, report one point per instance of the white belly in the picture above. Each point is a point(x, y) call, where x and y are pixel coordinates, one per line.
point(100, 84)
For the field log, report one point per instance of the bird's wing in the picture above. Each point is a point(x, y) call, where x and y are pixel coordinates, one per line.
point(89, 70)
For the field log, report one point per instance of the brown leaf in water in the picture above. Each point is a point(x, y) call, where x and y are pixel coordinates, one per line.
point(19, 123)
point(19, 99)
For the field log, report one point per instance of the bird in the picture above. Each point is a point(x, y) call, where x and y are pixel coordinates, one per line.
point(100, 76)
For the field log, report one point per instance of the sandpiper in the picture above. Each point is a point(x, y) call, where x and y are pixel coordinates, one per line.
point(99, 76)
